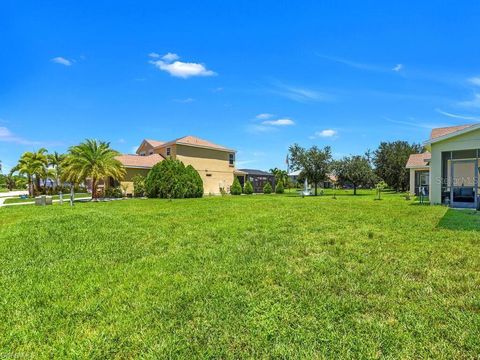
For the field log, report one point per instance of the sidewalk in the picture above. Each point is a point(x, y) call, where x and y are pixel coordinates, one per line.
point(66, 200)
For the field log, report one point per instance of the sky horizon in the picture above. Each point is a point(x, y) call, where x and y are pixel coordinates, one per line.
point(256, 77)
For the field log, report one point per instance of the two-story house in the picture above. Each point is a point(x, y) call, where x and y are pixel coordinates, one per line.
point(214, 163)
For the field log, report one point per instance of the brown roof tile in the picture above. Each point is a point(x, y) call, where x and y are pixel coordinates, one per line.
point(155, 143)
point(439, 132)
point(418, 160)
point(139, 161)
point(195, 141)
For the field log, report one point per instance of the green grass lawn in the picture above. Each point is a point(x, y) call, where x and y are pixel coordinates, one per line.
point(66, 197)
point(240, 277)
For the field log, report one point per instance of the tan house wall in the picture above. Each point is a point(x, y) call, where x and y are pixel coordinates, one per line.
point(467, 141)
point(163, 151)
point(211, 164)
point(412, 177)
point(145, 148)
point(128, 179)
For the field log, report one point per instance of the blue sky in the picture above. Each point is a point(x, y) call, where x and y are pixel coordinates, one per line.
point(254, 76)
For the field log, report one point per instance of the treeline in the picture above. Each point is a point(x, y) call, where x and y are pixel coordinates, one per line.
point(385, 164)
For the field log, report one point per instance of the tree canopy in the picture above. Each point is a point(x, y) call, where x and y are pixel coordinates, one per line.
point(314, 163)
point(354, 170)
point(390, 160)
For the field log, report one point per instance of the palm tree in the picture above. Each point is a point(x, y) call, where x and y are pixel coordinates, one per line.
point(280, 176)
point(33, 165)
point(55, 162)
point(93, 160)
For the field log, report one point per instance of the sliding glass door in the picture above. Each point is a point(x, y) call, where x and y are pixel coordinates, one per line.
point(464, 183)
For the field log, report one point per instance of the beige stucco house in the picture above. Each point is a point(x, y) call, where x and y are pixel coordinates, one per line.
point(449, 171)
point(214, 163)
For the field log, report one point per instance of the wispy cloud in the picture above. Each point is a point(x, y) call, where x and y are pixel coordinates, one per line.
point(362, 66)
point(474, 103)
point(326, 133)
point(61, 60)
point(170, 64)
point(154, 55)
point(475, 80)
point(259, 129)
point(279, 122)
point(418, 125)
point(185, 101)
point(458, 116)
point(397, 68)
point(264, 116)
point(300, 94)
point(7, 136)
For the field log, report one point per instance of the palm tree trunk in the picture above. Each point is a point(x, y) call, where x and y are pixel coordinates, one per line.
point(94, 189)
point(354, 189)
point(316, 187)
point(30, 186)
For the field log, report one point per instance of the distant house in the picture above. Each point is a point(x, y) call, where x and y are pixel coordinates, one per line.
point(449, 171)
point(258, 178)
point(214, 163)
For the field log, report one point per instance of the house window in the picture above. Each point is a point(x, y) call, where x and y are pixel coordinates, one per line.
point(168, 151)
point(142, 153)
point(150, 152)
point(231, 159)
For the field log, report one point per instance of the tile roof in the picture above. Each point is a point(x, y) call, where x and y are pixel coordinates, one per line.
point(418, 160)
point(155, 143)
point(196, 141)
point(439, 132)
point(139, 161)
point(256, 172)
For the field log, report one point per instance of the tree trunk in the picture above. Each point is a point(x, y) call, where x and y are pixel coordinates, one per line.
point(316, 187)
point(354, 189)
point(30, 186)
point(94, 189)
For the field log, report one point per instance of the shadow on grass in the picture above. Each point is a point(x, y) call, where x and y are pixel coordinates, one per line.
point(460, 220)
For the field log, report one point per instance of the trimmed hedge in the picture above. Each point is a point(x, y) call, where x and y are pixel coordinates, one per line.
point(248, 188)
point(170, 179)
point(236, 188)
point(267, 188)
point(279, 189)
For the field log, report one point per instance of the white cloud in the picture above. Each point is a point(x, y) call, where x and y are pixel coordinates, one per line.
point(327, 133)
point(62, 61)
point(264, 116)
point(475, 80)
point(170, 64)
point(458, 116)
point(169, 57)
point(474, 103)
point(398, 67)
point(154, 55)
point(279, 122)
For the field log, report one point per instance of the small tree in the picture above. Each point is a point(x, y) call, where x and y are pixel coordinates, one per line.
point(382, 185)
point(267, 188)
point(236, 188)
point(248, 188)
point(193, 182)
point(138, 185)
point(279, 189)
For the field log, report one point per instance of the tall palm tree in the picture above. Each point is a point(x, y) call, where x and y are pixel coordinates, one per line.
point(55, 162)
point(33, 165)
point(93, 160)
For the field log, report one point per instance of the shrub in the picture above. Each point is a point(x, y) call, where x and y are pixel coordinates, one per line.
point(170, 179)
point(279, 189)
point(267, 188)
point(193, 182)
point(113, 192)
point(248, 188)
point(236, 188)
point(138, 185)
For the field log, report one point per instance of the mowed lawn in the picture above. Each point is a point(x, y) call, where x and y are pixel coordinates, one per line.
point(240, 277)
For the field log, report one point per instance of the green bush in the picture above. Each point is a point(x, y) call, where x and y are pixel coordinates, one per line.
point(248, 188)
point(267, 188)
point(113, 192)
point(236, 188)
point(279, 189)
point(170, 179)
point(138, 185)
point(193, 182)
